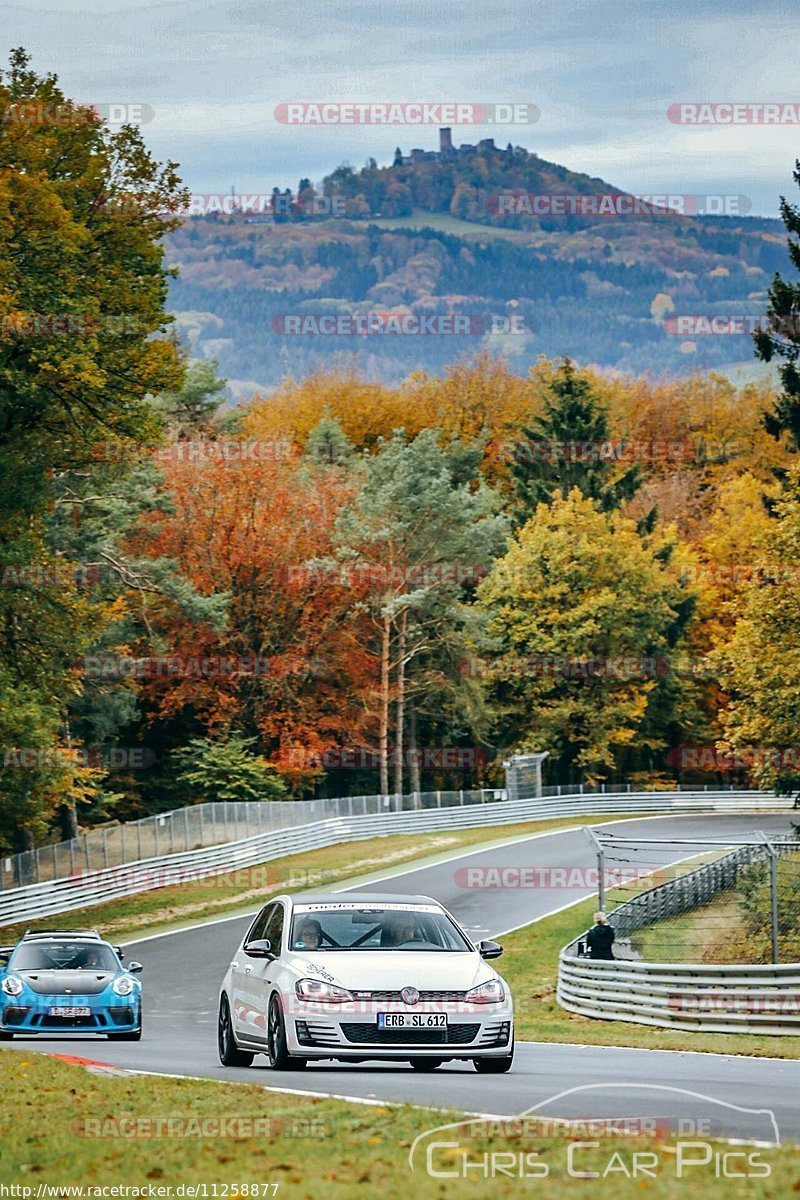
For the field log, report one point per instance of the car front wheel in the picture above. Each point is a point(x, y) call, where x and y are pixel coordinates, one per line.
point(229, 1053)
point(277, 1051)
point(494, 1066)
point(130, 1035)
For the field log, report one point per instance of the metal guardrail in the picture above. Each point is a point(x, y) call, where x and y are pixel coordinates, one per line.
point(90, 887)
point(720, 999)
point(730, 998)
point(212, 824)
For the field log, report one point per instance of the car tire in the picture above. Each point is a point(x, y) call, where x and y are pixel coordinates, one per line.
point(5, 1036)
point(494, 1066)
point(277, 1050)
point(130, 1035)
point(426, 1064)
point(229, 1053)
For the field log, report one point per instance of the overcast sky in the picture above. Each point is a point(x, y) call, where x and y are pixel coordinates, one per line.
point(602, 74)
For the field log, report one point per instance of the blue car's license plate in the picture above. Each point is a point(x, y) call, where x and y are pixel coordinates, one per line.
point(66, 1010)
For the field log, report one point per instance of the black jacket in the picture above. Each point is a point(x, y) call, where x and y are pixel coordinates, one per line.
point(599, 940)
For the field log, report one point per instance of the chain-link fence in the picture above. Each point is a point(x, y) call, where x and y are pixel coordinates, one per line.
point(740, 906)
point(202, 825)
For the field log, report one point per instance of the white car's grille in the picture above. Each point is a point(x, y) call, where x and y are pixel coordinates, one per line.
point(424, 997)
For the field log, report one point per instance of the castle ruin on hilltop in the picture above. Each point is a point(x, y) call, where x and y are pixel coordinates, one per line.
point(446, 150)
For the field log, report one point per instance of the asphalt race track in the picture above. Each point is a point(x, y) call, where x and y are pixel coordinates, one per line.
point(183, 971)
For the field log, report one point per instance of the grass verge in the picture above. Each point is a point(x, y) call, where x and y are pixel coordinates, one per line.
point(244, 890)
point(530, 966)
point(67, 1128)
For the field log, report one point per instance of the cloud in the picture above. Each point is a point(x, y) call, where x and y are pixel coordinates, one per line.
point(602, 75)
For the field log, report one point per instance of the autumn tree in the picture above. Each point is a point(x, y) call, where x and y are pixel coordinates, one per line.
point(579, 615)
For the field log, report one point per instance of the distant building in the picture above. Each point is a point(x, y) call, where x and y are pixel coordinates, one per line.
point(446, 150)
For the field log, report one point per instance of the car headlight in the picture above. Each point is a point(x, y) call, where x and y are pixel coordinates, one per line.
point(327, 993)
point(12, 986)
point(123, 986)
point(491, 992)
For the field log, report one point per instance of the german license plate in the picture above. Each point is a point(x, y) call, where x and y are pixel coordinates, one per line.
point(66, 1010)
point(419, 1020)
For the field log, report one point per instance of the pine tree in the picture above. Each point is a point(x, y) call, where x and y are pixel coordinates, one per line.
point(569, 446)
point(782, 337)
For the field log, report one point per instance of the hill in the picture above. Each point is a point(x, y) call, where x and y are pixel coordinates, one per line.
point(456, 231)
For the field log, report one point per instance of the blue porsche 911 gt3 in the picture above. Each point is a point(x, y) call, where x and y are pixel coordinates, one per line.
point(58, 983)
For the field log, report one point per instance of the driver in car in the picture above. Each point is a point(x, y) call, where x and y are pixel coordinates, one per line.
point(403, 929)
point(309, 936)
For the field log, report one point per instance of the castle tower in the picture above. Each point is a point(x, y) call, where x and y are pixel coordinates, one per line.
point(445, 140)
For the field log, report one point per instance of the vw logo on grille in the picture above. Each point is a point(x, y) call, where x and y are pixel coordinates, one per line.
point(409, 995)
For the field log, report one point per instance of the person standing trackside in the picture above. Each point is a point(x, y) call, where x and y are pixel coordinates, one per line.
point(600, 937)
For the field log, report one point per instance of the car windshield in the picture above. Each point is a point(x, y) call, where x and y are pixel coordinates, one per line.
point(351, 928)
point(65, 956)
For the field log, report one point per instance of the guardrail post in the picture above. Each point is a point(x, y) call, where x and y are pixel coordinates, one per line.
point(105, 848)
point(438, 799)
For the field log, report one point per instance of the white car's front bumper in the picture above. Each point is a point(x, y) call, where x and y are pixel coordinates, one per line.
point(316, 1030)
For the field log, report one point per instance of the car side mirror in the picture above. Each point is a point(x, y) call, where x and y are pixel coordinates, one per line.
point(489, 949)
point(134, 968)
point(261, 948)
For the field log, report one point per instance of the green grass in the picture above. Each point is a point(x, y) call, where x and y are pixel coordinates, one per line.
point(59, 1131)
point(444, 223)
point(696, 936)
point(246, 890)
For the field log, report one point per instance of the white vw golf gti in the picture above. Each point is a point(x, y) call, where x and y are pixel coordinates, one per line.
point(361, 975)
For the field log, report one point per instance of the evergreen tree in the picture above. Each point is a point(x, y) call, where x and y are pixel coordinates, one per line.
point(781, 339)
point(569, 446)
